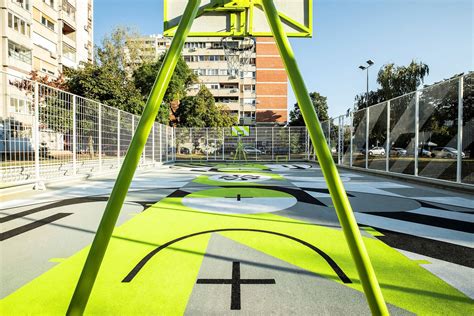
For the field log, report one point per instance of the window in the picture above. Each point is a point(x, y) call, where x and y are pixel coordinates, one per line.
point(47, 22)
point(25, 4)
point(18, 24)
point(249, 87)
point(49, 2)
point(249, 101)
point(69, 52)
point(69, 9)
point(44, 42)
point(214, 86)
point(20, 106)
point(195, 45)
point(19, 52)
point(248, 74)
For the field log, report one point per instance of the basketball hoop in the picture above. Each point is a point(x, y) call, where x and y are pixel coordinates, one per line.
point(238, 53)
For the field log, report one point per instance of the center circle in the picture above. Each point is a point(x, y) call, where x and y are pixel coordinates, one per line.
point(239, 178)
point(239, 201)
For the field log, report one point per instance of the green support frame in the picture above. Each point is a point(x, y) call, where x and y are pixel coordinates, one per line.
point(331, 175)
point(343, 208)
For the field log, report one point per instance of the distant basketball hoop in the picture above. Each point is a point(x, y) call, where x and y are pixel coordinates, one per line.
point(238, 54)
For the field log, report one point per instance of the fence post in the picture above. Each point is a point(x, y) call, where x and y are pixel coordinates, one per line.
point(166, 142)
point(417, 129)
point(289, 143)
point(36, 133)
point(367, 121)
point(389, 145)
point(74, 135)
point(192, 143)
point(351, 140)
point(339, 156)
point(153, 143)
point(207, 143)
point(161, 143)
point(223, 144)
point(329, 133)
point(256, 143)
point(118, 139)
point(273, 144)
point(100, 136)
point(460, 129)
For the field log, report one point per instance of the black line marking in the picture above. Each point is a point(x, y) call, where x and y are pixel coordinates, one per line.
point(236, 281)
point(439, 206)
point(429, 247)
point(178, 194)
point(300, 195)
point(66, 202)
point(326, 191)
point(447, 223)
point(342, 276)
point(26, 228)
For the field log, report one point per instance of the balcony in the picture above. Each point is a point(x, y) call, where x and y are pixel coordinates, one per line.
point(225, 92)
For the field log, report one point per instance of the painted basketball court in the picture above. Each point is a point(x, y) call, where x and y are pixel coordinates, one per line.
point(260, 239)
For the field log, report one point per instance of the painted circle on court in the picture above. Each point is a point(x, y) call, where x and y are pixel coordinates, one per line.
point(239, 201)
point(239, 178)
point(237, 169)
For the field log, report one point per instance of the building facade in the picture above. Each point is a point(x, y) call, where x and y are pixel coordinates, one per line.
point(254, 89)
point(46, 36)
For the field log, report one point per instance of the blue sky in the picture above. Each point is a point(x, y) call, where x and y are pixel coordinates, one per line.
point(347, 33)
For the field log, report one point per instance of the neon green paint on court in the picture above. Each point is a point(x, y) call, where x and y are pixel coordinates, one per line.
point(165, 283)
point(372, 231)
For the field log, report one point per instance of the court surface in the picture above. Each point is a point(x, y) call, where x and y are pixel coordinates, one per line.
point(238, 238)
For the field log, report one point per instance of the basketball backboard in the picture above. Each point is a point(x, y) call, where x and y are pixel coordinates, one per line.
point(240, 18)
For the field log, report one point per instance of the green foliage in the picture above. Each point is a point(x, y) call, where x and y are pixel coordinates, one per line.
point(106, 80)
point(320, 105)
point(201, 111)
point(394, 81)
point(144, 77)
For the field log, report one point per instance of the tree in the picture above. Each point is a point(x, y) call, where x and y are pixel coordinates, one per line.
point(394, 81)
point(202, 111)
point(320, 105)
point(107, 80)
point(144, 78)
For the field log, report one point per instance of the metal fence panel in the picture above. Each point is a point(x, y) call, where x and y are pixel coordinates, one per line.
point(46, 133)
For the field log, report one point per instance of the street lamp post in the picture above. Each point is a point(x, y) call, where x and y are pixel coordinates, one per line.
point(369, 64)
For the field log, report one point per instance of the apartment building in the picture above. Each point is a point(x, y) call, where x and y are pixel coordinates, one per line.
point(256, 90)
point(46, 36)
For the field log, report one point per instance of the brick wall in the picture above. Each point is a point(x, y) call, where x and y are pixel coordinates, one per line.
point(272, 83)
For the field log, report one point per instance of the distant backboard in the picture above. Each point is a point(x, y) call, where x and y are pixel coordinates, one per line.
point(240, 131)
point(241, 18)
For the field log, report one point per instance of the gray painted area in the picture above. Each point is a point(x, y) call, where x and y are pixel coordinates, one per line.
point(27, 256)
point(295, 292)
point(458, 276)
point(426, 231)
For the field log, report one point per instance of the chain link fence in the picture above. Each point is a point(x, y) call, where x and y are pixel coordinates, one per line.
point(46, 133)
point(262, 144)
point(428, 133)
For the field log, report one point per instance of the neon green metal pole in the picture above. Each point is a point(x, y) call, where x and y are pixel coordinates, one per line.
point(339, 197)
point(114, 205)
